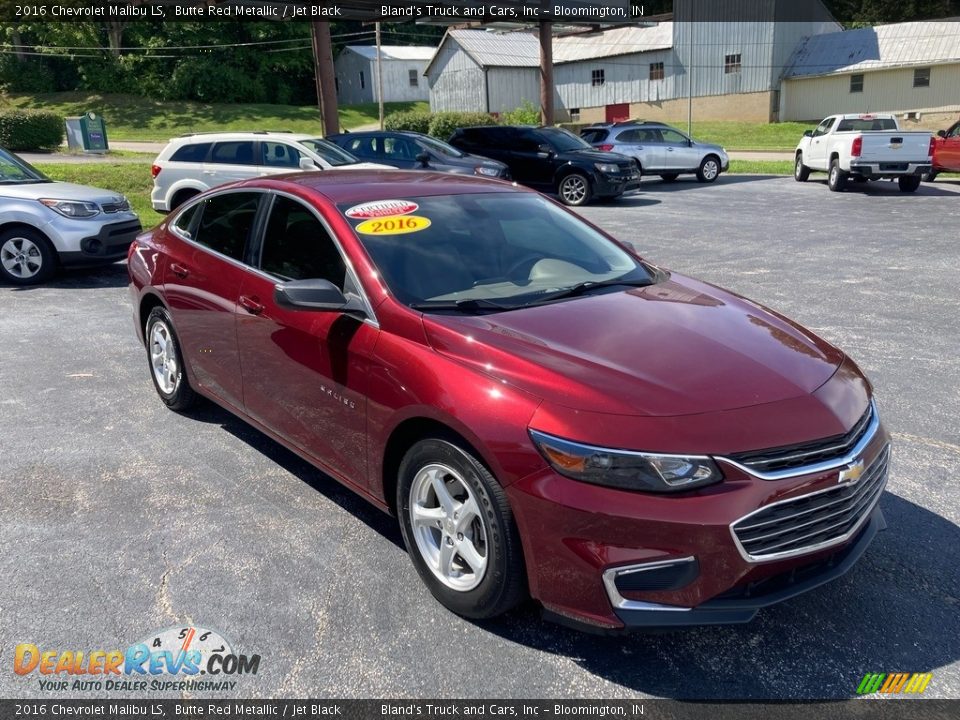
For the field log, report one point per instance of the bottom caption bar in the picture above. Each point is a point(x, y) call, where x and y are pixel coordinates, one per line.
point(447, 709)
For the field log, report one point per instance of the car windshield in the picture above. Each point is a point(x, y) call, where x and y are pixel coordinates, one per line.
point(15, 171)
point(440, 147)
point(564, 140)
point(487, 251)
point(329, 152)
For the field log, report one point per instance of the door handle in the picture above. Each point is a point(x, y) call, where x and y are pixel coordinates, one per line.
point(179, 270)
point(251, 305)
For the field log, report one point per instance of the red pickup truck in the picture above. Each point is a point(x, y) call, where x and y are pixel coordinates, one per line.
point(946, 152)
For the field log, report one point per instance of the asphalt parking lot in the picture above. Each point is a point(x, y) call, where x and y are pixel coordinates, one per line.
point(120, 518)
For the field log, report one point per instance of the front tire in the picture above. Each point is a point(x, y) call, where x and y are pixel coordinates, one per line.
point(575, 190)
point(459, 530)
point(908, 183)
point(801, 173)
point(837, 178)
point(26, 257)
point(167, 370)
point(709, 169)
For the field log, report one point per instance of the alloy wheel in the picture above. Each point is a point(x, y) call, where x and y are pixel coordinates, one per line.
point(447, 526)
point(710, 169)
point(574, 189)
point(163, 358)
point(21, 257)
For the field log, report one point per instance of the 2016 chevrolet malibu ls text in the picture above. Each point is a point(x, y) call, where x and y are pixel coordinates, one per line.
point(547, 414)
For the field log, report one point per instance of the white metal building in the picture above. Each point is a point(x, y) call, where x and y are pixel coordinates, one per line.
point(732, 70)
point(403, 66)
point(908, 68)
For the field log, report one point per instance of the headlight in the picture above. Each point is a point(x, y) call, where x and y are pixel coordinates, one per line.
point(488, 171)
point(649, 472)
point(609, 168)
point(72, 208)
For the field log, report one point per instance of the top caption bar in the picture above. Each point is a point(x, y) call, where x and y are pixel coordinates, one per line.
point(445, 11)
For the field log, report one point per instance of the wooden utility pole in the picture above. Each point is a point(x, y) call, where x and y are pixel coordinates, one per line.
point(379, 77)
point(546, 73)
point(326, 80)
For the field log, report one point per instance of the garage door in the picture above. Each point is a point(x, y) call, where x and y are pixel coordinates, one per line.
point(618, 112)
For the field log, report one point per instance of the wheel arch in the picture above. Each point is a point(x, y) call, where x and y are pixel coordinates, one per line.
point(405, 435)
point(20, 224)
point(148, 302)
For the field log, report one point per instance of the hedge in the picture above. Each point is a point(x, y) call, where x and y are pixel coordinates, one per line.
point(412, 120)
point(30, 130)
point(443, 124)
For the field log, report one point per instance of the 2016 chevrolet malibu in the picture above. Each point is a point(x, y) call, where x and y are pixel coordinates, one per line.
point(546, 413)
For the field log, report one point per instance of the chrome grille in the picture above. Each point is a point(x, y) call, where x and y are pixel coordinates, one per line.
point(812, 522)
point(803, 454)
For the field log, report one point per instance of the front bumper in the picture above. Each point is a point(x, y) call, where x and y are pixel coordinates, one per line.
point(611, 185)
point(580, 538)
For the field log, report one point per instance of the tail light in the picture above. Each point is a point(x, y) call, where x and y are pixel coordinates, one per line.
point(155, 170)
point(605, 147)
point(857, 146)
point(933, 145)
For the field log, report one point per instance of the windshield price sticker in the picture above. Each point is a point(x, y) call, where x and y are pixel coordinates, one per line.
point(393, 225)
point(381, 209)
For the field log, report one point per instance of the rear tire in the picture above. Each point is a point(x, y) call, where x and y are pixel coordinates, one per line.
point(801, 173)
point(908, 183)
point(837, 178)
point(709, 169)
point(26, 257)
point(930, 176)
point(165, 361)
point(575, 190)
point(459, 530)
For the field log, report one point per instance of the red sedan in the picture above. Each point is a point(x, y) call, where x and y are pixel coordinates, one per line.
point(546, 413)
point(946, 152)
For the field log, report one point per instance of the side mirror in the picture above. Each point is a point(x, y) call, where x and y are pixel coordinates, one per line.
point(808, 133)
point(307, 164)
point(423, 158)
point(314, 294)
point(545, 149)
point(941, 133)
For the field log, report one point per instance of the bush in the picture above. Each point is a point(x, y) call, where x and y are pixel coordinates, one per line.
point(411, 120)
point(28, 76)
point(30, 130)
point(526, 114)
point(443, 124)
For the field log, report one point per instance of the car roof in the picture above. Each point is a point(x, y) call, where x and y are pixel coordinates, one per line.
point(626, 124)
point(356, 186)
point(243, 135)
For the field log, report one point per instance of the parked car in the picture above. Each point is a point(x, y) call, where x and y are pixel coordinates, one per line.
point(551, 160)
point(192, 163)
point(543, 410)
point(415, 151)
point(946, 152)
point(864, 147)
point(659, 149)
point(44, 223)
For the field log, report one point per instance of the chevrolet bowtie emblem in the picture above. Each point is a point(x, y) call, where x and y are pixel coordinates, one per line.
point(852, 472)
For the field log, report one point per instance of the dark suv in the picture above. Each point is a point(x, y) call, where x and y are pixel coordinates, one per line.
point(552, 160)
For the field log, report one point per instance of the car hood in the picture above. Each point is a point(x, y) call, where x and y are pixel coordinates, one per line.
point(597, 156)
point(59, 191)
point(679, 347)
point(709, 146)
point(472, 159)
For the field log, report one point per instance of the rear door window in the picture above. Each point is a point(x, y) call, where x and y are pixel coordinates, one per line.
point(235, 152)
point(226, 222)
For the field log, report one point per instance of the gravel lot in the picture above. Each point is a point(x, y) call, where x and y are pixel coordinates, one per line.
point(119, 518)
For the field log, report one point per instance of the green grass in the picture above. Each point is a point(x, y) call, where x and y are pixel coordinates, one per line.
point(761, 167)
point(131, 117)
point(131, 179)
point(749, 136)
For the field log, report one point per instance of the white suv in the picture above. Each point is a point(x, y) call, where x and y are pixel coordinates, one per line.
point(192, 163)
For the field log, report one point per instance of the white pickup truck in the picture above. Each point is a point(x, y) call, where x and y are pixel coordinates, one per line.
point(864, 147)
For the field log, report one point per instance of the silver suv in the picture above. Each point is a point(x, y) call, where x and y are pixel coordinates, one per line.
point(191, 164)
point(45, 223)
point(659, 149)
